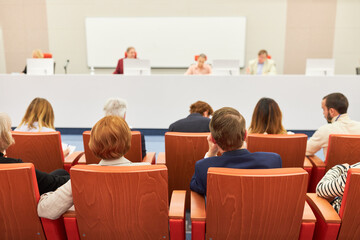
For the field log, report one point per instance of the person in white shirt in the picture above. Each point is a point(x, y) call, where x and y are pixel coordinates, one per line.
point(110, 140)
point(262, 65)
point(334, 107)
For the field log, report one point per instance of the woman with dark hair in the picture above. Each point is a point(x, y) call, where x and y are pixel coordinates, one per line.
point(267, 118)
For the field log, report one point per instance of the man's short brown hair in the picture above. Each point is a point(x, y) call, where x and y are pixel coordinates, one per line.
point(110, 138)
point(263, 51)
point(201, 107)
point(227, 127)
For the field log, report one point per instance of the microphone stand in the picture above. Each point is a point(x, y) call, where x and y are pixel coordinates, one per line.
point(66, 65)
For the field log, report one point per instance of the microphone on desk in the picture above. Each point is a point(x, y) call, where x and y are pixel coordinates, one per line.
point(66, 65)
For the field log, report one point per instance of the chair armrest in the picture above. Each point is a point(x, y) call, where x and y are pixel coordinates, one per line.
point(316, 161)
point(150, 158)
point(307, 163)
point(177, 215)
point(328, 221)
point(323, 208)
point(73, 158)
point(69, 214)
point(197, 206)
point(72, 231)
point(177, 205)
point(161, 158)
point(308, 215)
point(307, 224)
point(198, 215)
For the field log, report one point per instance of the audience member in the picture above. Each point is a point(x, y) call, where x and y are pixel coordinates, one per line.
point(228, 133)
point(267, 118)
point(110, 140)
point(118, 107)
point(39, 117)
point(130, 54)
point(201, 68)
point(262, 65)
point(197, 121)
point(334, 107)
point(333, 184)
point(46, 181)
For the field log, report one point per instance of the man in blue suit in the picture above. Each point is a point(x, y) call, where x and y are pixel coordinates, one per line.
point(228, 133)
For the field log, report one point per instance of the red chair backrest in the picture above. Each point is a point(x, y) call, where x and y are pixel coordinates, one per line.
point(47, 55)
point(134, 154)
point(342, 148)
point(197, 57)
point(255, 203)
point(18, 202)
point(291, 147)
point(43, 149)
point(121, 202)
point(349, 210)
point(182, 151)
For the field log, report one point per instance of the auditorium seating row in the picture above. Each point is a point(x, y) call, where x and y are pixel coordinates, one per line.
point(270, 198)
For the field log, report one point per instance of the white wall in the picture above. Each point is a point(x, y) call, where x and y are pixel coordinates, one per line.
point(66, 20)
point(347, 37)
point(2, 53)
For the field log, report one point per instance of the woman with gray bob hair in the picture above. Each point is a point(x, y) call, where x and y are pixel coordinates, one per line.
point(115, 107)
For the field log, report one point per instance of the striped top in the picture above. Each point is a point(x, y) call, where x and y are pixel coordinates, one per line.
point(333, 183)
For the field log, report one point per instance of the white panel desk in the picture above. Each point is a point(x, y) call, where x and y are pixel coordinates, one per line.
point(158, 100)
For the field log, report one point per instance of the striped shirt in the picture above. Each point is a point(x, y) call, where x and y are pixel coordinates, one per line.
point(333, 183)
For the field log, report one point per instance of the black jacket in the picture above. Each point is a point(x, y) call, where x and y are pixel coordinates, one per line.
point(47, 182)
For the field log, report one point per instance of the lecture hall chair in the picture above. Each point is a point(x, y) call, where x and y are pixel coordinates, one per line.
point(43, 149)
point(19, 195)
point(253, 204)
point(182, 151)
point(345, 225)
point(124, 202)
point(291, 148)
point(342, 148)
point(134, 154)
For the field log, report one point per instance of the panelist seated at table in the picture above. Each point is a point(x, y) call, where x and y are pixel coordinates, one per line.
point(130, 54)
point(200, 68)
point(263, 65)
point(37, 53)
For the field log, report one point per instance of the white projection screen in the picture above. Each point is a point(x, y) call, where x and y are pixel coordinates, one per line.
point(168, 42)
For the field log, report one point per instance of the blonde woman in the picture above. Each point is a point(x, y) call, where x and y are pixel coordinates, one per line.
point(37, 53)
point(39, 117)
point(46, 181)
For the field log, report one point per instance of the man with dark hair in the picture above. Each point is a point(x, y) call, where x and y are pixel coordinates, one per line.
point(228, 133)
point(197, 121)
point(334, 107)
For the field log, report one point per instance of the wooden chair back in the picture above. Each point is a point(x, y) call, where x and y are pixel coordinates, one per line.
point(182, 151)
point(291, 147)
point(342, 149)
point(349, 210)
point(134, 154)
point(255, 203)
point(19, 195)
point(43, 149)
point(121, 202)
